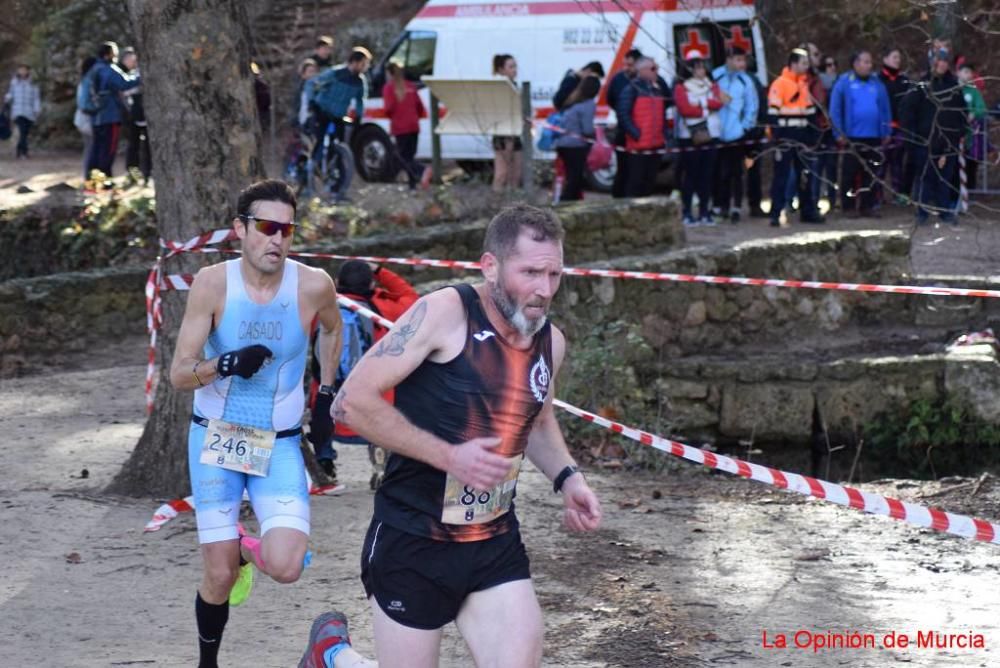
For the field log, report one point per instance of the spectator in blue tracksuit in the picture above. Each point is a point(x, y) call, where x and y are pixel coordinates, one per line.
point(862, 123)
point(110, 82)
point(738, 117)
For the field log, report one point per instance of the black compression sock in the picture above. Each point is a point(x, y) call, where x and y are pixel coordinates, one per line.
point(211, 623)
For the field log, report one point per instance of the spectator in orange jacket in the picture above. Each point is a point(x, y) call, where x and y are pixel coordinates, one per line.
point(792, 112)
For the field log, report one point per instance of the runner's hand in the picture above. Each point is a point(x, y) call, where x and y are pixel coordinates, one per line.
point(244, 362)
point(581, 509)
point(475, 464)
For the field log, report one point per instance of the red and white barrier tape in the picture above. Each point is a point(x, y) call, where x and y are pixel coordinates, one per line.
point(922, 516)
point(172, 509)
point(963, 181)
point(155, 283)
point(169, 281)
point(876, 504)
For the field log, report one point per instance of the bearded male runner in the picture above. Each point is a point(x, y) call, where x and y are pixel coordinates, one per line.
point(473, 368)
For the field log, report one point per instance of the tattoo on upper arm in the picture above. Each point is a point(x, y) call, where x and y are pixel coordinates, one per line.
point(395, 343)
point(337, 410)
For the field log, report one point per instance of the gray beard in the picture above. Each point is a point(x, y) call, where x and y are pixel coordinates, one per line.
point(512, 314)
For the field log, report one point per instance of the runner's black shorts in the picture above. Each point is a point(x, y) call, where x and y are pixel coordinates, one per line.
point(422, 583)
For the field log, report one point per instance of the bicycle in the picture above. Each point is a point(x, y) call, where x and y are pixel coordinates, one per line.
point(330, 176)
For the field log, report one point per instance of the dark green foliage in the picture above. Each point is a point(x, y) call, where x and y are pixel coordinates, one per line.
point(931, 439)
point(109, 230)
point(600, 375)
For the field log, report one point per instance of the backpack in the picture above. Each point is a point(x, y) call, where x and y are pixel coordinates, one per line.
point(359, 334)
point(90, 99)
point(549, 135)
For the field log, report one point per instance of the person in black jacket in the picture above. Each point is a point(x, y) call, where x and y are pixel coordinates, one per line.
point(618, 83)
point(897, 84)
point(934, 120)
point(137, 155)
point(572, 80)
point(755, 153)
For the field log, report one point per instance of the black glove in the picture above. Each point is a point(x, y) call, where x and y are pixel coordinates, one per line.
point(320, 423)
point(244, 362)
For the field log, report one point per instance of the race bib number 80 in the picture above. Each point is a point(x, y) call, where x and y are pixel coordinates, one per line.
point(237, 448)
point(465, 505)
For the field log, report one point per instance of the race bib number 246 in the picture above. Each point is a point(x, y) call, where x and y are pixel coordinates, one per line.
point(237, 447)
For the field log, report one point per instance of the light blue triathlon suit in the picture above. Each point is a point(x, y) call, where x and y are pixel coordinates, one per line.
point(272, 399)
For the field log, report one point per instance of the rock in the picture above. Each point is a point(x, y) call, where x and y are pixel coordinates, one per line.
point(696, 315)
point(722, 311)
point(60, 187)
point(831, 311)
point(657, 330)
point(23, 190)
point(682, 389)
point(780, 412)
point(605, 290)
point(972, 374)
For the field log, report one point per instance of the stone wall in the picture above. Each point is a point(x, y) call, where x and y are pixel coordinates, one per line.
point(679, 319)
point(595, 232)
point(68, 312)
point(772, 399)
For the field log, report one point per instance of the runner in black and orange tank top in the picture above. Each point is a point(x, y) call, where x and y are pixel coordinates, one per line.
point(474, 370)
point(490, 389)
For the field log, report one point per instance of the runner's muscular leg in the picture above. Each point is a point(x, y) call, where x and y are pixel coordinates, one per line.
point(221, 567)
point(281, 503)
point(398, 646)
point(503, 625)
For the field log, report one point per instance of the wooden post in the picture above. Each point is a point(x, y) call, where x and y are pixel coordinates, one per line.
point(435, 141)
point(528, 171)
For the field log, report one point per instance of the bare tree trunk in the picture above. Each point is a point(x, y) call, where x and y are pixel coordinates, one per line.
point(195, 63)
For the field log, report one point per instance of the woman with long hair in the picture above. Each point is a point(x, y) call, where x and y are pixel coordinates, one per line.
point(573, 145)
point(405, 109)
point(507, 150)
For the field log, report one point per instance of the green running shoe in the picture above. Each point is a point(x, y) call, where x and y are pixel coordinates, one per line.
point(244, 585)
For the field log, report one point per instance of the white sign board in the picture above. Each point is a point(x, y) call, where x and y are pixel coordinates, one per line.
point(478, 106)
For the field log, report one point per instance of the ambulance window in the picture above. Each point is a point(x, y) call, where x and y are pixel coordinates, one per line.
point(415, 54)
point(420, 55)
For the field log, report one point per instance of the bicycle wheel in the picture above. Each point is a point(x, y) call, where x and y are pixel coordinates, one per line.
point(339, 171)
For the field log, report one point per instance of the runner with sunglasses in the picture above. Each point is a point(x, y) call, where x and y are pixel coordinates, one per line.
point(242, 349)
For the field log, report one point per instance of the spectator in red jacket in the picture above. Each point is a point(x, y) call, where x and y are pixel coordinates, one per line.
point(405, 109)
point(387, 294)
point(641, 108)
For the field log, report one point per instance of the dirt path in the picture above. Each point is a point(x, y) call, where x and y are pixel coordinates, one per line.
point(691, 578)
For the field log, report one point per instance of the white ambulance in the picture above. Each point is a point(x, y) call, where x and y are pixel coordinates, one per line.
point(457, 39)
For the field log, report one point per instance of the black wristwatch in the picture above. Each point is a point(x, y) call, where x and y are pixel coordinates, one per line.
point(561, 478)
point(327, 389)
